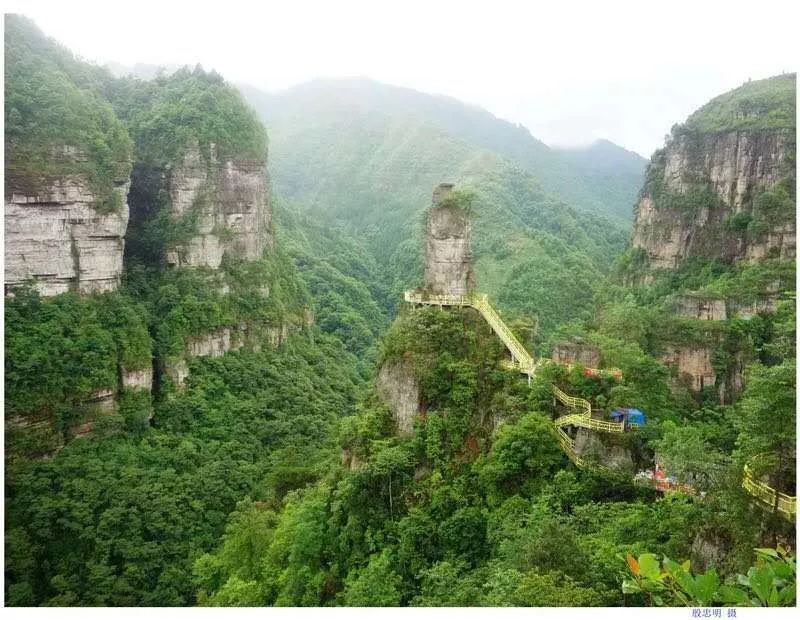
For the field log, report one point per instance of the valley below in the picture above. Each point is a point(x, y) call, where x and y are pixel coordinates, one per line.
point(351, 344)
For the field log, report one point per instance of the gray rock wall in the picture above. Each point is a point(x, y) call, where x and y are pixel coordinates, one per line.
point(694, 365)
point(227, 339)
point(231, 203)
point(736, 167)
point(576, 353)
point(701, 308)
point(56, 239)
point(601, 448)
point(448, 258)
point(398, 388)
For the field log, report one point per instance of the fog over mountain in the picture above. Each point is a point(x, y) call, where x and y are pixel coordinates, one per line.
point(550, 68)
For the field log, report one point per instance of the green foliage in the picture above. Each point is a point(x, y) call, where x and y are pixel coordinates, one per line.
point(457, 514)
point(522, 454)
point(121, 521)
point(767, 423)
point(773, 207)
point(771, 582)
point(759, 104)
point(351, 114)
point(337, 162)
point(376, 585)
point(186, 303)
point(57, 124)
point(60, 350)
point(686, 454)
point(342, 278)
point(166, 114)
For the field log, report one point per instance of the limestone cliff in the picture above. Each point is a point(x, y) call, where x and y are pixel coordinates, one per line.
point(723, 185)
point(398, 388)
point(604, 449)
point(720, 197)
point(226, 339)
point(218, 207)
point(570, 352)
point(56, 237)
point(448, 258)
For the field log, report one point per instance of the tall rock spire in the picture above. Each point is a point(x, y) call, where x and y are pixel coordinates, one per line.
point(448, 258)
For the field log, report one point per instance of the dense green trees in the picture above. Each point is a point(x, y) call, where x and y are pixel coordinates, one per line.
point(56, 124)
point(59, 352)
point(277, 477)
point(759, 104)
point(457, 514)
point(602, 179)
point(165, 114)
point(119, 521)
point(368, 168)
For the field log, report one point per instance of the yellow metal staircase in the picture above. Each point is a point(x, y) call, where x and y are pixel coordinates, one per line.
point(583, 417)
point(769, 498)
point(581, 414)
point(521, 360)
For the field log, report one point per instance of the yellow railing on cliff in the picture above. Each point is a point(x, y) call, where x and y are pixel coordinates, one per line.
point(583, 417)
point(769, 498)
point(521, 360)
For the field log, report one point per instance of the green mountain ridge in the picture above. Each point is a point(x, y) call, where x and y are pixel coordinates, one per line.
point(284, 472)
point(559, 174)
point(371, 171)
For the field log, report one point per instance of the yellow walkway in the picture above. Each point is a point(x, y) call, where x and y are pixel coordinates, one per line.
point(581, 415)
point(520, 359)
point(523, 362)
point(767, 496)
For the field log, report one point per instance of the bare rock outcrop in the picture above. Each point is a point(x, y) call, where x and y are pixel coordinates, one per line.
point(700, 308)
point(576, 353)
point(398, 388)
point(137, 378)
point(693, 364)
point(603, 449)
point(226, 339)
point(710, 180)
point(56, 238)
point(226, 202)
point(448, 258)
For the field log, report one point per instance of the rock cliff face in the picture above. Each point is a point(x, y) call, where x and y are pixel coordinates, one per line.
point(448, 259)
point(223, 207)
point(720, 192)
point(398, 388)
point(576, 353)
point(700, 308)
point(701, 195)
point(693, 364)
point(56, 239)
point(226, 339)
point(601, 448)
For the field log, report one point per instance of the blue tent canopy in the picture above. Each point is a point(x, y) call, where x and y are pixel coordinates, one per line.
point(629, 415)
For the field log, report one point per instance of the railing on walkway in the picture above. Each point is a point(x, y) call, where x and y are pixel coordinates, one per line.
point(786, 505)
point(521, 359)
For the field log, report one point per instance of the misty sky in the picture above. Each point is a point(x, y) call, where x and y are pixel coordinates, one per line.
point(571, 72)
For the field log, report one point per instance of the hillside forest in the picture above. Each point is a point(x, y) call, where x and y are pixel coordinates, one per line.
point(220, 389)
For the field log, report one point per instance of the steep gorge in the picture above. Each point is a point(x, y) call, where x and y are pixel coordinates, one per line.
point(181, 213)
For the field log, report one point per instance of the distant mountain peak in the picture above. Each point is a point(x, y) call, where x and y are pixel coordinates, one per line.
point(603, 178)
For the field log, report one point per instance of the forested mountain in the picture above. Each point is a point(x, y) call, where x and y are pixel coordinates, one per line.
point(611, 172)
point(215, 395)
point(561, 174)
point(148, 391)
point(364, 159)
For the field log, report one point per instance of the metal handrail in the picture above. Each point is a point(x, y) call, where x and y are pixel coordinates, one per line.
point(786, 504)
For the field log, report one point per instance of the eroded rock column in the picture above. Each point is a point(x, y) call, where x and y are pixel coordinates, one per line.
point(448, 258)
